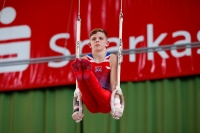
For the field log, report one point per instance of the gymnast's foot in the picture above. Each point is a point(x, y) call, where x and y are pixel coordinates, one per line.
point(86, 64)
point(77, 68)
point(87, 67)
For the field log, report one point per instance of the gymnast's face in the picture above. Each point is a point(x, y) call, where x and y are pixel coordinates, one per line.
point(98, 41)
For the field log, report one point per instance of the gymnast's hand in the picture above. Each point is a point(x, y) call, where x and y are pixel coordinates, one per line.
point(118, 113)
point(76, 116)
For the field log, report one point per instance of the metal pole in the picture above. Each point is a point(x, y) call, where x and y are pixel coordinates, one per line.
point(124, 52)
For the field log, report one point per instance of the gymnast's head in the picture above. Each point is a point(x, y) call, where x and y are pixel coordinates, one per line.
point(98, 39)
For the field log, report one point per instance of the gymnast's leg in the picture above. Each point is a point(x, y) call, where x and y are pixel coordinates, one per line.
point(101, 95)
point(87, 96)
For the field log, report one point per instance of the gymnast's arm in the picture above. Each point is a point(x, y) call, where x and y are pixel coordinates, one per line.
point(113, 71)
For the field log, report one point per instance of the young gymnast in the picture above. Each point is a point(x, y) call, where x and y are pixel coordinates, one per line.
point(96, 75)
